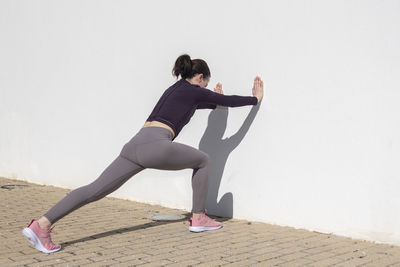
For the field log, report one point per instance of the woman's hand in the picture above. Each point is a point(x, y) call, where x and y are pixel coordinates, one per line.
point(218, 89)
point(258, 88)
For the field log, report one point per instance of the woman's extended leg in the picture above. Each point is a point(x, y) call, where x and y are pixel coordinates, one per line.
point(117, 173)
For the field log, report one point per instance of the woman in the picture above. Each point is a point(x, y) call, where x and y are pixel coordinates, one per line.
point(153, 147)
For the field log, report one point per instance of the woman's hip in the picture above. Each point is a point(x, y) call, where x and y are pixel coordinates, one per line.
point(152, 147)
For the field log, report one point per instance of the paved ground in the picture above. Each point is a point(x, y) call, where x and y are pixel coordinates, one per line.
point(117, 233)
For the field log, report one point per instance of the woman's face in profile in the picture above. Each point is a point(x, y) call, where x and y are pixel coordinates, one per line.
point(204, 82)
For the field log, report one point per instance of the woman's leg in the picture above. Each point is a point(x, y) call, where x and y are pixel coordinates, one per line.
point(167, 155)
point(116, 174)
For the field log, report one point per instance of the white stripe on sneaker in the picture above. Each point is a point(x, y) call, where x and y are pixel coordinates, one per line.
point(203, 228)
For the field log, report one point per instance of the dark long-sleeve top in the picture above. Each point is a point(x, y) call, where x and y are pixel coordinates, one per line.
point(178, 103)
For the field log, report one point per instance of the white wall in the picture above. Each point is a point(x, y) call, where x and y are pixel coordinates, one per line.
point(79, 78)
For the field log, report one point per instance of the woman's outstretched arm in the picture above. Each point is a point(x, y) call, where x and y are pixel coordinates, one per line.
point(218, 98)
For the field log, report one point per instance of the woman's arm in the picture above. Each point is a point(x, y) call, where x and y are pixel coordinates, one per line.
point(217, 89)
point(218, 98)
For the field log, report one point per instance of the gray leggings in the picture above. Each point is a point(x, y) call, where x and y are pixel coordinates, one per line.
point(151, 147)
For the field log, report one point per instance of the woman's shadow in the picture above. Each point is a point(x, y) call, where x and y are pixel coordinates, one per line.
point(219, 150)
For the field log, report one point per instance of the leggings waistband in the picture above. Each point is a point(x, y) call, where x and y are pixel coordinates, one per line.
point(156, 131)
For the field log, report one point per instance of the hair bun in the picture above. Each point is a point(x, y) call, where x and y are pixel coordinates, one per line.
point(187, 68)
point(183, 66)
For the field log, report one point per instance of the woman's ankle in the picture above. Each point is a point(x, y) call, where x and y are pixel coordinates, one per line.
point(44, 223)
point(197, 215)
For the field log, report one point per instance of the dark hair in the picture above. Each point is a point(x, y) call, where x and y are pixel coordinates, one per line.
point(187, 68)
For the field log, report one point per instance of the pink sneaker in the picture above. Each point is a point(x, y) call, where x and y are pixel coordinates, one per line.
point(205, 223)
point(40, 238)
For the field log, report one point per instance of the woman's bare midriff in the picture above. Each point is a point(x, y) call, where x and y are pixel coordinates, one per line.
point(159, 124)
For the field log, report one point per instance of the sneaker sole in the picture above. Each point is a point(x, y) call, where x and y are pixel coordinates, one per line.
point(202, 228)
point(35, 241)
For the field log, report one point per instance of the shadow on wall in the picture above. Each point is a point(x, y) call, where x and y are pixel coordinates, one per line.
point(219, 149)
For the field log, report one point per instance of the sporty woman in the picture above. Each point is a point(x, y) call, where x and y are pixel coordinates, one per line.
point(153, 147)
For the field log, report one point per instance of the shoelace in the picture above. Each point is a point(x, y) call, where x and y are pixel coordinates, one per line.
point(49, 241)
point(207, 220)
point(51, 231)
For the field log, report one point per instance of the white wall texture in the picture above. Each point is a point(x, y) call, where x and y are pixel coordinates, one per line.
point(79, 78)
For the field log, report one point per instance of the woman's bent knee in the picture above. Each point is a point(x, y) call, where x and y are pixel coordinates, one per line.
point(205, 160)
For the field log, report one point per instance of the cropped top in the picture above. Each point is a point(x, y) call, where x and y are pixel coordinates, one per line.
point(179, 102)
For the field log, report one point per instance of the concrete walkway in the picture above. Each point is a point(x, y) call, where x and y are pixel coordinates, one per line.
point(114, 232)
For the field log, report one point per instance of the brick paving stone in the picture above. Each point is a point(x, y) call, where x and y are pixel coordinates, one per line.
point(239, 250)
point(292, 249)
point(184, 257)
point(125, 264)
point(74, 263)
point(180, 252)
point(357, 261)
point(270, 262)
point(212, 263)
point(326, 262)
point(264, 250)
point(319, 256)
point(106, 257)
point(185, 263)
point(213, 257)
point(237, 257)
point(156, 263)
point(293, 256)
point(296, 263)
point(23, 262)
point(267, 256)
point(51, 262)
point(116, 232)
point(158, 257)
point(241, 263)
point(5, 261)
point(315, 250)
point(384, 261)
point(102, 263)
